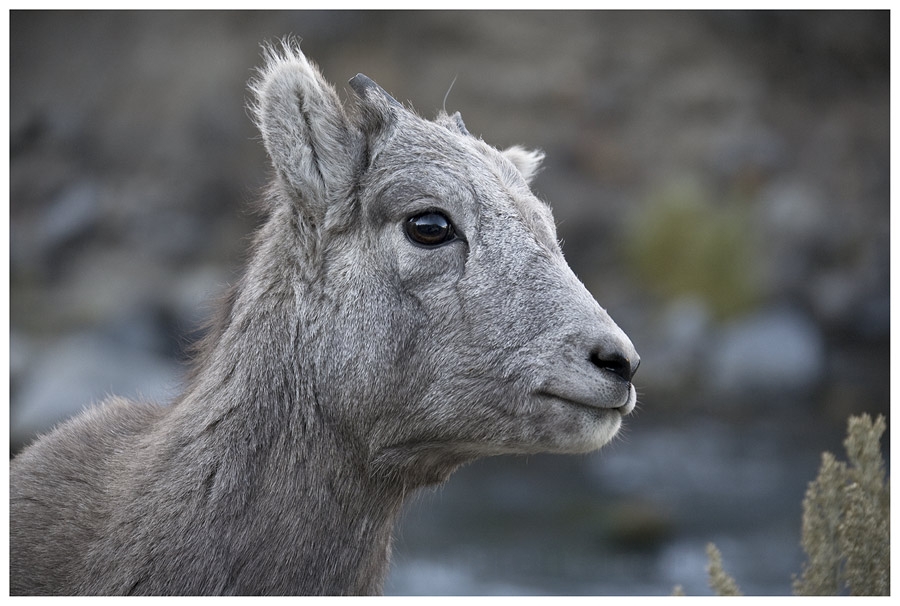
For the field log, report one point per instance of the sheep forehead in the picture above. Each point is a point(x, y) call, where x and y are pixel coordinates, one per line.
point(497, 185)
point(507, 193)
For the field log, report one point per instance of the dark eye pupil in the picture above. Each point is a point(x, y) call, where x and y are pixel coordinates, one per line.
point(429, 229)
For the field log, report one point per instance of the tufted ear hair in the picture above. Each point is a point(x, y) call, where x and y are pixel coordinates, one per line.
point(528, 162)
point(304, 128)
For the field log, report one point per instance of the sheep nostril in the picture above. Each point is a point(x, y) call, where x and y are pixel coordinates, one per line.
point(616, 363)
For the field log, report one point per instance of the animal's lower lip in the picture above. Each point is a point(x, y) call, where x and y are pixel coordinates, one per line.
point(626, 408)
point(623, 409)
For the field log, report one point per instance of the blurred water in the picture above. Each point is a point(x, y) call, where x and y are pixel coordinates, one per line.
point(633, 519)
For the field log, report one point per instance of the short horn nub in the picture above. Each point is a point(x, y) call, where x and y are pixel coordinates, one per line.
point(377, 109)
point(365, 86)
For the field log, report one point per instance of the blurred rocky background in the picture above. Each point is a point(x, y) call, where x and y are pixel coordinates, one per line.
point(721, 184)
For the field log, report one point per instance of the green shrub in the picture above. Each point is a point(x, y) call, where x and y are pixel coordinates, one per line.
point(719, 580)
point(846, 519)
point(846, 522)
point(684, 242)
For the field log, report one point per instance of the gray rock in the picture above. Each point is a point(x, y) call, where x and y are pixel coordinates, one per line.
point(21, 355)
point(82, 370)
point(774, 352)
point(73, 214)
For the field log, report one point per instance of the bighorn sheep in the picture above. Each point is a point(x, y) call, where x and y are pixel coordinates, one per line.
point(406, 309)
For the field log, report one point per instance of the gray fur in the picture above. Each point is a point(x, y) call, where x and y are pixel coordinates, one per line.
point(349, 367)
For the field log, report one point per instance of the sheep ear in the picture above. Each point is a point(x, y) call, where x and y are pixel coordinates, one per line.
point(528, 162)
point(460, 125)
point(304, 127)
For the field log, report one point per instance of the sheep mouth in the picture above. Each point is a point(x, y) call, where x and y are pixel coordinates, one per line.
point(594, 407)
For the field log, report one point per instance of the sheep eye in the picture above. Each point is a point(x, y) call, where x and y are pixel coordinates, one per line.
point(430, 229)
